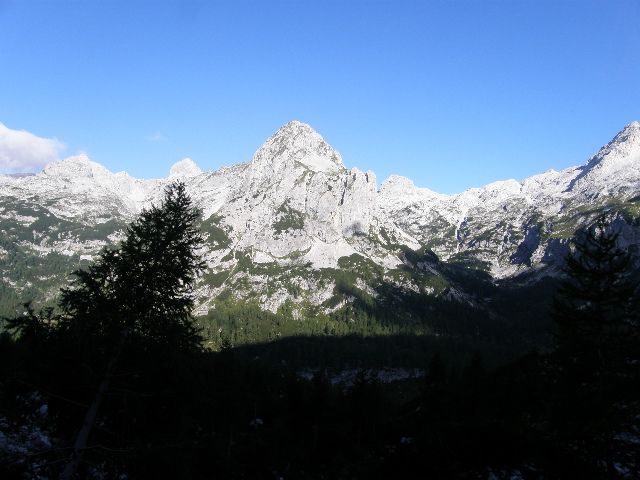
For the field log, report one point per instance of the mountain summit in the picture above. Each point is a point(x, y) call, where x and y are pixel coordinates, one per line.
point(615, 167)
point(75, 167)
point(184, 168)
point(625, 147)
point(297, 142)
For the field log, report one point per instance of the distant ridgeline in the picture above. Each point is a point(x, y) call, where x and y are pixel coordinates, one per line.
point(297, 244)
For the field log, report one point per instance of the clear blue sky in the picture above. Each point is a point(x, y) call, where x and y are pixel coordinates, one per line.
point(452, 94)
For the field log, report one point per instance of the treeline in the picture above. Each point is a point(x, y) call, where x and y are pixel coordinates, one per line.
point(503, 328)
point(346, 338)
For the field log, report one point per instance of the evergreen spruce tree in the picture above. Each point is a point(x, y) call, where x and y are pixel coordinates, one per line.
point(594, 309)
point(144, 287)
point(139, 293)
point(596, 315)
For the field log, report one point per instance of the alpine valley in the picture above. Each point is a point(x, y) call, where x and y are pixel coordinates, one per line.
point(295, 234)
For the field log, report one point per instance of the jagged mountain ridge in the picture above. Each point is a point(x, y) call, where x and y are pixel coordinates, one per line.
point(512, 226)
point(282, 226)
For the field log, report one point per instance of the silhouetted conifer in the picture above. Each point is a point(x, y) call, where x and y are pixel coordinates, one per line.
point(596, 354)
point(594, 309)
point(140, 292)
point(145, 285)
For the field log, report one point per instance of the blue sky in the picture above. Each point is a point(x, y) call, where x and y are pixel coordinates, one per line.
point(452, 94)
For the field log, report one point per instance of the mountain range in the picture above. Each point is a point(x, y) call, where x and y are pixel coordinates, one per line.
point(295, 228)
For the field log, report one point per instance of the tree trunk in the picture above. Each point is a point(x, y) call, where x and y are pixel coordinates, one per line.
point(90, 418)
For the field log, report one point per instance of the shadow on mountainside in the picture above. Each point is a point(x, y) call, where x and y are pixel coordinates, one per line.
point(472, 307)
point(360, 352)
point(390, 325)
point(398, 329)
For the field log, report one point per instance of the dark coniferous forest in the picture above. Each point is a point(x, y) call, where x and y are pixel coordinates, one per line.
point(121, 380)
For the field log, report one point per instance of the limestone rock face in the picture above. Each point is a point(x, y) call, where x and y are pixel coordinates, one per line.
point(280, 222)
point(295, 197)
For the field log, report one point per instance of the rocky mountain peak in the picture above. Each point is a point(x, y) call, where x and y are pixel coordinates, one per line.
point(77, 166)
point(625, 146)
point(397, 182)
point(297, 143)
point(629, 135)
point(184, 168)
point(632, 127)
point(294, 128)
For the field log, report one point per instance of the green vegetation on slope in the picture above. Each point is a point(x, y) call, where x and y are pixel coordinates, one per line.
point(288, 219)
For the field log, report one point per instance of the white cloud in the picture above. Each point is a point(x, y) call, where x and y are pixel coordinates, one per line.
point(22, 151)
point(155, 137)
